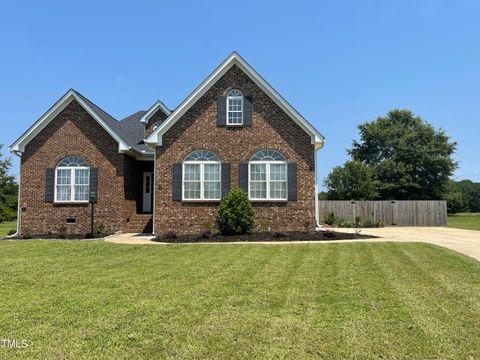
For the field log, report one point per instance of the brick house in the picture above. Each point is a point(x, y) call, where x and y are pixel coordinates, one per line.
point(160, 170)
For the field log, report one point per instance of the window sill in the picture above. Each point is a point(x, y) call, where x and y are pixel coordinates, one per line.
point(188, 201)
point(268, 200)
point(70, 203)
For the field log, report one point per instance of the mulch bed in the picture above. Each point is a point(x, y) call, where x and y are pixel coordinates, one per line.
point(326, 235)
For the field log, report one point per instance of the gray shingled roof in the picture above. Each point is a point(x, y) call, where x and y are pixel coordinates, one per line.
point(129, 129)
point(136, 130)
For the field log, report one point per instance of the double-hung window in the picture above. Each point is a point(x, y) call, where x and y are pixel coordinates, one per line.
point(72, 180)
point(201, 176)
point(235, 107)
point(268, 176)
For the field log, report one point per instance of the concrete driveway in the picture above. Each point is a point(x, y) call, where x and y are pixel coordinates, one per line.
point(464, 241)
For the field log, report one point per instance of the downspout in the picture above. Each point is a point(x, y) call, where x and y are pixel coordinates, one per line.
point(317, 208)
point(317, 213)
point(154, 187)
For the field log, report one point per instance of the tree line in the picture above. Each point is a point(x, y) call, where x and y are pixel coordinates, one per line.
point(8, 190)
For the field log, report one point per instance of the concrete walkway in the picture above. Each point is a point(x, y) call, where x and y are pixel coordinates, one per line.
point(464, 241)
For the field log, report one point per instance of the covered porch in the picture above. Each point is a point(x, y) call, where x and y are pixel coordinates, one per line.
point(139, 188)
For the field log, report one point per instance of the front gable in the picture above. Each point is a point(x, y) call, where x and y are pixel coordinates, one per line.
point(268, 126)
point(101, 118)
point(234, 60)
point(154, 116)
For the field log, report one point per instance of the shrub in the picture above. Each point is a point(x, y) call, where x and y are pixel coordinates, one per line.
point(11, 232)
point(330, 218)
point(235, 214)
point(368, 223)
point(380, 223)
point(210, 227)
point(99, 228)
point(343, 223)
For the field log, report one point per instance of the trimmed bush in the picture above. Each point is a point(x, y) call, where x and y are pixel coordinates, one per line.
point(330, 218)
point(235, 215)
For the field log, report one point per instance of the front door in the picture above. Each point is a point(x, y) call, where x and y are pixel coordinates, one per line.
point(147, 191)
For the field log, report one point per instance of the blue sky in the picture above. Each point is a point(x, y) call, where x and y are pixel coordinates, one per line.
point(339, 63)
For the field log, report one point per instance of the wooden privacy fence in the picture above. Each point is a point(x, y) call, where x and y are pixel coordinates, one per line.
point(391, 212)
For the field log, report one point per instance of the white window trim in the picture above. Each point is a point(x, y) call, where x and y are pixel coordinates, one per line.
point(241, 111)
point(202, 164)
point(268, 181)
point(72, 184)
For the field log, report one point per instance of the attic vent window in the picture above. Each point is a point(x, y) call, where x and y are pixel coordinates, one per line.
point(156, 124)
point(71, 220)
point(235, 107)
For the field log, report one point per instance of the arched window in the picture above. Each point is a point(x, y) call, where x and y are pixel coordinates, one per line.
point(201, 176)
point(268, 176)
point(234, 107)
point(72, 180)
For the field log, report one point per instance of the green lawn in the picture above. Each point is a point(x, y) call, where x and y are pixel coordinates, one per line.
point(465, 221)
point(5, 226)
point(90, 299)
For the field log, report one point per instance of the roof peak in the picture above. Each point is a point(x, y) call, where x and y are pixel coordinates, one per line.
point(157, 105)
point(235, 59)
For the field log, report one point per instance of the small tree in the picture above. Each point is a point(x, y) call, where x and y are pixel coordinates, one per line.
point(235, 214)
point(455, 199)
point(8, 191)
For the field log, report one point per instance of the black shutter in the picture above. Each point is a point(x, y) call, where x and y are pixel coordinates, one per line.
point(292, 181)
point(243, 177)
point(247, 110)
point(49, 184)
point(177, 182)
point(94, 183)
point(222, 111)
point(225, 178)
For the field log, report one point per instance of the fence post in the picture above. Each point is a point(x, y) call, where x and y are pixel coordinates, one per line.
point(353, 211)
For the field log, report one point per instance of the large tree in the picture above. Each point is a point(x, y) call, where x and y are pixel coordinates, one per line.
point(8, 190)
point(353, 180)
point(410, 158)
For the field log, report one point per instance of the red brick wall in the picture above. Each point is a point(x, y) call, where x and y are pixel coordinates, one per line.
point(74, 132)
point(197, 129)
point(158, 116)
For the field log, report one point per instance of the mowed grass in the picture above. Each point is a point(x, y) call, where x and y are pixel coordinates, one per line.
point(6, 226)
point(91, 299)
point(469, 221)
